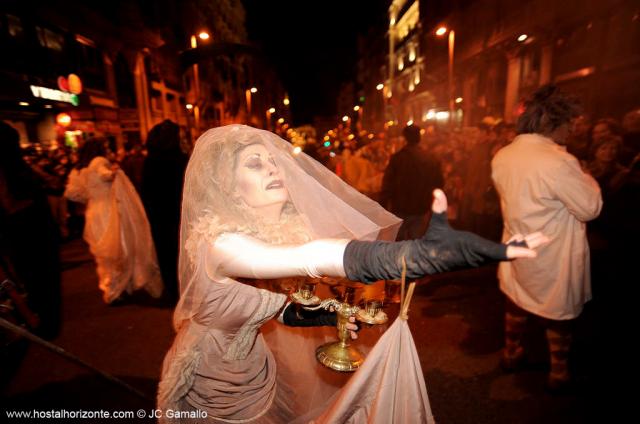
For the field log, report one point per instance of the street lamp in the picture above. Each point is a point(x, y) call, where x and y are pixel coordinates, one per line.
point(247, 94)
point(196, 81)
point(269, 112)
point(452, 39)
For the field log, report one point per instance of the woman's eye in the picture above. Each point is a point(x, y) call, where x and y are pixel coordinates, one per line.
point(254, 163)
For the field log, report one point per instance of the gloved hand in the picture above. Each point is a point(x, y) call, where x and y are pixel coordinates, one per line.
point(295, 316)
point(441, 249)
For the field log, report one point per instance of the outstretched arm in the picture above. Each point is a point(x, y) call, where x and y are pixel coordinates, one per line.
point(441, 249)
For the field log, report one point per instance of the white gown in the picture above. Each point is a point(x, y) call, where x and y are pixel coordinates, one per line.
point(116, 229)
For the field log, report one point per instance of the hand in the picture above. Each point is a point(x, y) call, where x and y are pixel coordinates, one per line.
point(353, 328)
point(440, 203)
point(532, 240)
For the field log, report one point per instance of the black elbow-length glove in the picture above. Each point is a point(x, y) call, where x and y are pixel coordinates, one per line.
point(441, 249)
point(294, 316)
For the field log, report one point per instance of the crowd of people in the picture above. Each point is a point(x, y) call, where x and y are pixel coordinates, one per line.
point(552, 172)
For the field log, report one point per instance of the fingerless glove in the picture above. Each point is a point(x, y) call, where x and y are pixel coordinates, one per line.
point(441, 249)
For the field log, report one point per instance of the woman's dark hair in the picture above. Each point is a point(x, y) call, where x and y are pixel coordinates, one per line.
point(546, 111)
point(91, 148)
point(21, 181)
point(164, 137)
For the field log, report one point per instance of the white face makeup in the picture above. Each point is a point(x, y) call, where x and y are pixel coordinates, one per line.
point(258, 181)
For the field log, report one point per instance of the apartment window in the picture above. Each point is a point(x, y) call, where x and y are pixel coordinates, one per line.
point(14, 25)
point(50, 39)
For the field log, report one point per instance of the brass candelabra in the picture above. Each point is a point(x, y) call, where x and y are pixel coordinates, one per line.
point(340, 355)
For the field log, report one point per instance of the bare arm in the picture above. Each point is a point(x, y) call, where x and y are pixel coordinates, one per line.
point(238, 255)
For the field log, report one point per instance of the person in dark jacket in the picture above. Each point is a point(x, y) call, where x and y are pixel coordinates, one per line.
point(411, 170)
point(29, 243)
point(161, 193)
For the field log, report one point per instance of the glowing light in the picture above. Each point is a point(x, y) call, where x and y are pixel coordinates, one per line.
point(326, 138)
point(392, 21)
point(345, 118)
point(332, 154)
point(412, 87)
point(63, 119)
point(412, 56)
point(272, 110)
point(410, 122)
point(370, 136)
point(400, 65)
point(189, 106)
point(23, 104)
point(281, 121)
point(356, 108)
point(441, 31)
point(522, 37)
point(297, 150)
point(48, 106)
point(286, 101)
point(203, 35)
point(327, 143)
point(431, 114)
point(459, 100)
point(442, 116)
point(351, 137)
point(253, 90)
point(379, 86)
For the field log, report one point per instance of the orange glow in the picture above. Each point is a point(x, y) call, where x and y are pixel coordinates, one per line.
point(441, 31)
point(63, 119)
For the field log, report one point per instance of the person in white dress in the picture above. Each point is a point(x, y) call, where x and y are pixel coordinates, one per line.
point(116, 226)
point(253, 209)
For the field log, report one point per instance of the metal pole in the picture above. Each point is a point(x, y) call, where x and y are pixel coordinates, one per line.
point(196, 89)
point(60, 351)
point(452, 38)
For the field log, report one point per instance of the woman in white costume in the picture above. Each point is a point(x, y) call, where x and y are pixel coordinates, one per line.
point(116, 226)
point(253, 209)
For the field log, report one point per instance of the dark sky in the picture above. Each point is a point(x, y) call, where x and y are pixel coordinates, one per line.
point(313, 46)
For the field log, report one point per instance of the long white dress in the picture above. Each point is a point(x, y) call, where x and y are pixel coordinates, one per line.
point(116, 229)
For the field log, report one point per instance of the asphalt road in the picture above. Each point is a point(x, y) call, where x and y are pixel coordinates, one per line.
point(456, 321)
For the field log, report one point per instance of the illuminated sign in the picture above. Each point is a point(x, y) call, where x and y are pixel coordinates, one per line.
point(52, 94)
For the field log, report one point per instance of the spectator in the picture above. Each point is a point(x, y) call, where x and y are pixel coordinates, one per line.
point(543, 187)
point(29, 248)
point(411, 170)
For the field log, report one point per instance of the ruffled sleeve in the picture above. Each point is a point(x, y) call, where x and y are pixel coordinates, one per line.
point(76, 188)
point(102, 167)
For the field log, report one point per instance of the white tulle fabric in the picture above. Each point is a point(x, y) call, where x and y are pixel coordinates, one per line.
point(116, 230)
point(220, 361)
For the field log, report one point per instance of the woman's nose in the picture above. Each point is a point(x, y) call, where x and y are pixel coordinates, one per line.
point(272, 169)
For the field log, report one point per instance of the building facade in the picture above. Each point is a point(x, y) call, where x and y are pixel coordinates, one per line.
point(504, 50)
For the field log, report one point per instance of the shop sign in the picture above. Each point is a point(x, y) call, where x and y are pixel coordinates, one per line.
point(52, 94)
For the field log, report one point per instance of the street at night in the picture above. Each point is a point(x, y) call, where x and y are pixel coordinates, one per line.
point(456, 321)
point(202, 202)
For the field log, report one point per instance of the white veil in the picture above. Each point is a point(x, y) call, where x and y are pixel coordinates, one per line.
point(321, 205)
